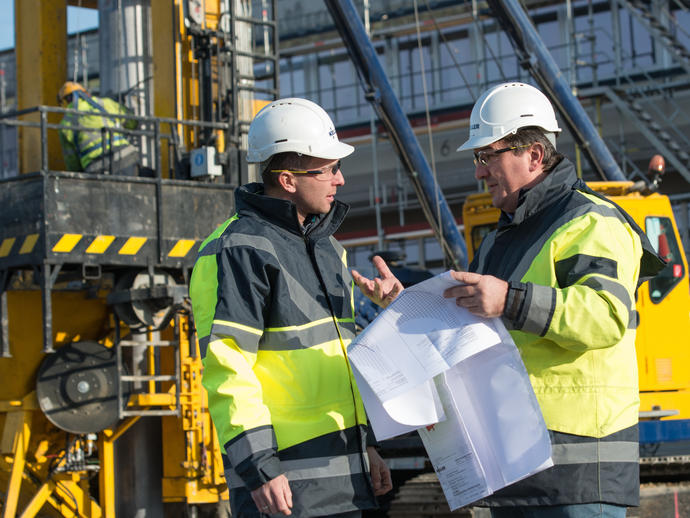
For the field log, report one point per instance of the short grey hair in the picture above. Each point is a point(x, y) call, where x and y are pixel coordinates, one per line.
point(531, 134)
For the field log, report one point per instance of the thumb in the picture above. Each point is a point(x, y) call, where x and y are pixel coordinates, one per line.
point(466, 277)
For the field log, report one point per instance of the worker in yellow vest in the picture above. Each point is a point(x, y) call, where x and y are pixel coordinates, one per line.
point(273, 308)
point(561, 270)
point(88, 143)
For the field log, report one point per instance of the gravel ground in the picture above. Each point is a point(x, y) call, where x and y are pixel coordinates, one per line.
point(663, 500)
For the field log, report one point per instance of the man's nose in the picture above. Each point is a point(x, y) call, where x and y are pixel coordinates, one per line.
point(480, 171)
point(339, 179)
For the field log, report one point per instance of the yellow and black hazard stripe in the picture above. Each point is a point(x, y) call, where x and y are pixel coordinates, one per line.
point(22, 245)
point(103, 245)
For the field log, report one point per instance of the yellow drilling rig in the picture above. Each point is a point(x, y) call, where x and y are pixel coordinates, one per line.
point(102, 412)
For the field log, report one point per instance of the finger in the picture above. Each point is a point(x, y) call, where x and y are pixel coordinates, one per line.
point(288, 494)
point(376, 477)
point(382, 267)
point(466, 277)
point(280, 504)
point(459, 291)
point(466, 301)
point(378, 289)
point(395, 291)
point(470, 305)
point(386, 482)
point(362, 282)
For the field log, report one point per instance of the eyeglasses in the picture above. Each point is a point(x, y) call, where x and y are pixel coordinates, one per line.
point(332, 169)
point(483, 157)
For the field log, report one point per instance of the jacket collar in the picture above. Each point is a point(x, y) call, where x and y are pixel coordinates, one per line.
point(251, 200)
point(556, 184)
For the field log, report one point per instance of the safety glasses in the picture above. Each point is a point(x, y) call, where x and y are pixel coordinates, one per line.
point(333, 169)
point(483, 157)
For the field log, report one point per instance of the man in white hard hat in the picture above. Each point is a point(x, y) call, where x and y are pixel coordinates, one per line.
point(273, 308)
point(561, 269)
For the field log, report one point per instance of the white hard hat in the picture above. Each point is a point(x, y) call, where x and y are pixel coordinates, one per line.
point(295, 125)
point(504, 109)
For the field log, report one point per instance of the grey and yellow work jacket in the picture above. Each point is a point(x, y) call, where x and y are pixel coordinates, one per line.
point(81, 146)
point(573, 260)
point(274, 312)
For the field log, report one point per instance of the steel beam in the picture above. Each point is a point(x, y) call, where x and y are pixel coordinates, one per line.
point(535, 56)
point(41, 52)
point(380, 94)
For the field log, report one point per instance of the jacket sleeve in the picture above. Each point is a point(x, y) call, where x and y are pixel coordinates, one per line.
point(129, 124)
point(70, 153)
point(115, 108)
point(235, 397)
point(595, 261)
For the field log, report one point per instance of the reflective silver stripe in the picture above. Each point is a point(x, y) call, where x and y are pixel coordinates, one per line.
point(342, 254)
point(339, 250)
point(324, 467)
point(249, 443)
point(614, 288)
point(242, 335)
point(299, 337)
point(598, 451)
point(309, 469)
point(540, 310)
point(532, 252)
point(487, 244)
point(348, 283)
point(298, 295)
point(634, 319)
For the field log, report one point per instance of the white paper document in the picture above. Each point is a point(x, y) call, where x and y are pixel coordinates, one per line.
point(427, 364)
point(421, 334)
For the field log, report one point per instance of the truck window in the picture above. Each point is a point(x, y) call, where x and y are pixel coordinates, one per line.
point(479, 233)
point(660, 233)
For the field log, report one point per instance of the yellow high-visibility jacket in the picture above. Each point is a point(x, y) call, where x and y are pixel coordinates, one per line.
point(274, 313)
point(79, 146)
point(573, 260)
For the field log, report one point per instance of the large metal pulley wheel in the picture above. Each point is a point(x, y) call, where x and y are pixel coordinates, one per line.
point(77, 387)
point(148, 305)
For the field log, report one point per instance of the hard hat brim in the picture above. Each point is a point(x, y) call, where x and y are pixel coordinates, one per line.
point(478, 142)
point(335, 152)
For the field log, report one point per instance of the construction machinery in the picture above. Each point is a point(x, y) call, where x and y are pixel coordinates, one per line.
point(102, 412)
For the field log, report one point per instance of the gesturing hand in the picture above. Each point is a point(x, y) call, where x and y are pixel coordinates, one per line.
point(381, 290)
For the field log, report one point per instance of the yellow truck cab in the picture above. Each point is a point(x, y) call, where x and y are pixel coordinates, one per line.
point(663, 306)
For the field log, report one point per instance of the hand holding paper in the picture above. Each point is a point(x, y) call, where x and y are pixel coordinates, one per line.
point(482, 295)
point(426, 360)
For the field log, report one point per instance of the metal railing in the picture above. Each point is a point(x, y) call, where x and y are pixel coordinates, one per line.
point(166, 134)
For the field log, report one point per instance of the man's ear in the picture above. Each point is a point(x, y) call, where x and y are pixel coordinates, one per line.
point(287, 181)
point(536, 152)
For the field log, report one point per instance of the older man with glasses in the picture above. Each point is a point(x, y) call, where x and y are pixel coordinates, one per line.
point(272, 300)
point(561, 270)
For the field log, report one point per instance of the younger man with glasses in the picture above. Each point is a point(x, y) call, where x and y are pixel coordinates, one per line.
point(273, 308)
point(561, 269)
